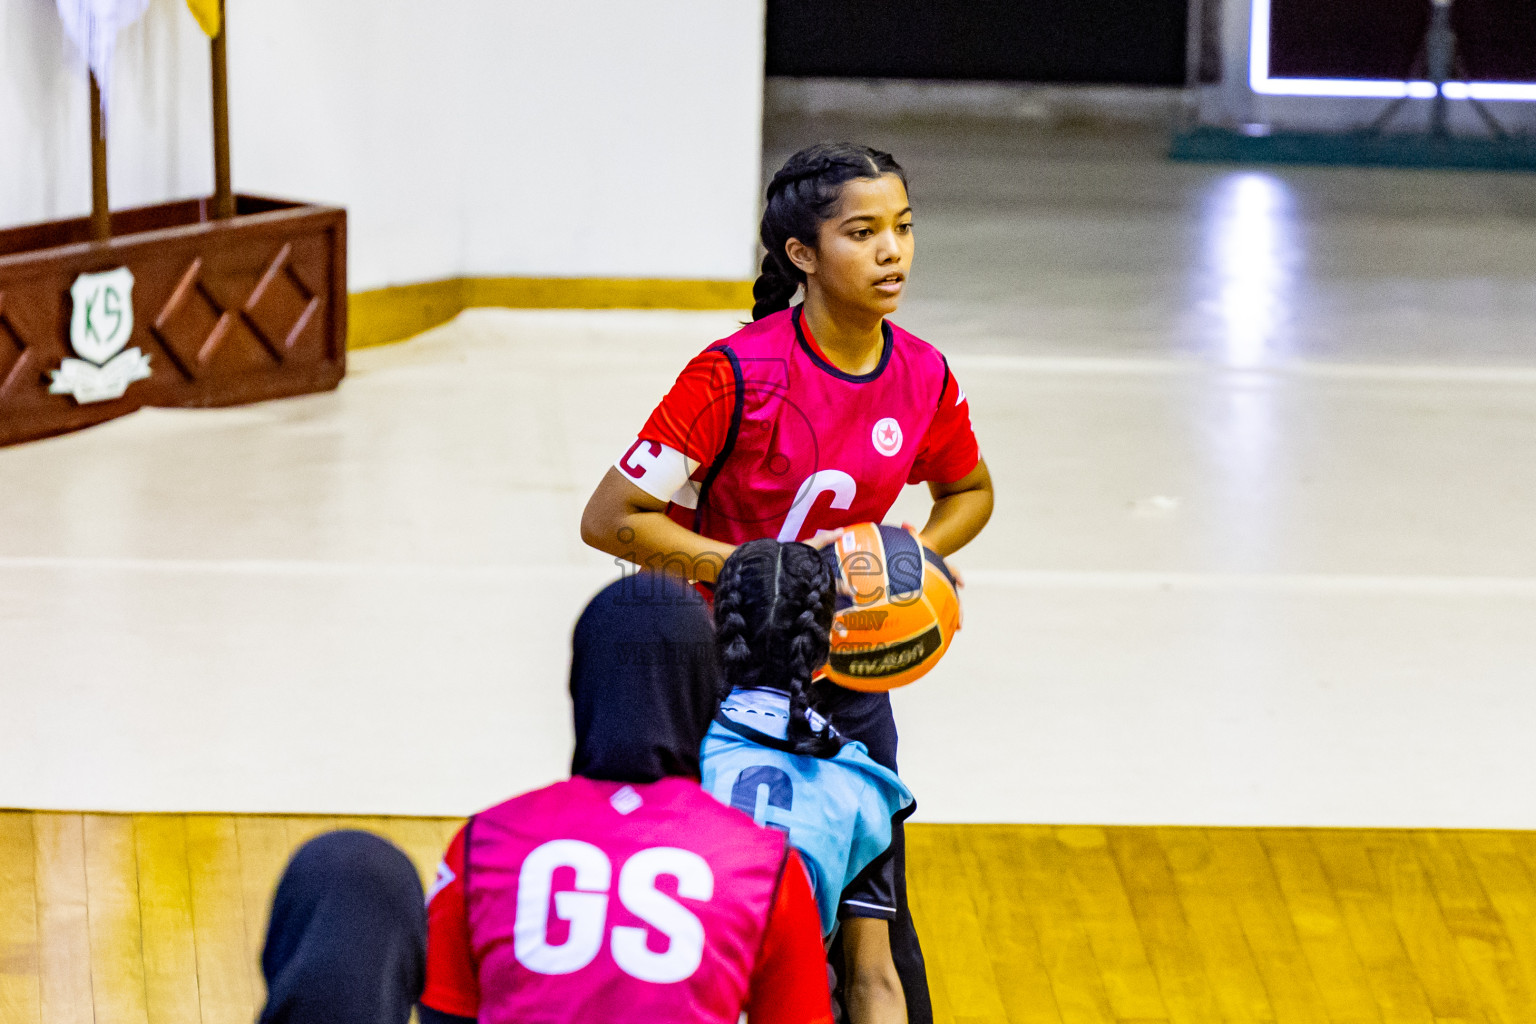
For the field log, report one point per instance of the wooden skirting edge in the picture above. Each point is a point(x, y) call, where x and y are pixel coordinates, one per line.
point(393, 314)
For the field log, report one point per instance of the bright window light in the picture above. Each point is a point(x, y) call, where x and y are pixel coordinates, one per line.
point(1375, 88)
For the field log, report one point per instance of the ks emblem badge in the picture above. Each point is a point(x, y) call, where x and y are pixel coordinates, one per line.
point(99, 329)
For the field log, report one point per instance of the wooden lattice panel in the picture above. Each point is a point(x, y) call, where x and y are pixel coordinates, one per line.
point(13, 354)
point(227, 311)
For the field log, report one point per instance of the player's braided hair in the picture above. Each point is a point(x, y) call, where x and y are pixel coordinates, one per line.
point(773, 616)
point(800, 198)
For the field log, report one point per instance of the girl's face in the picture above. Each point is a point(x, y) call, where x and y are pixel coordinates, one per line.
point(864, 250)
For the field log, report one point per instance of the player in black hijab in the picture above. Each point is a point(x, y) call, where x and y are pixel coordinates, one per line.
point(645, 681)
point(347, 939)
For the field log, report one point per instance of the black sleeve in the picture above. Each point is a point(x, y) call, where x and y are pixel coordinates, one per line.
point(872, 893)
point(427, 1015)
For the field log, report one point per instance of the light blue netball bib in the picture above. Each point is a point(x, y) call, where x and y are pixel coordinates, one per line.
point(837, 810)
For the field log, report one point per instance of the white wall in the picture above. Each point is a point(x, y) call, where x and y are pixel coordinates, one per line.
point(582, 138)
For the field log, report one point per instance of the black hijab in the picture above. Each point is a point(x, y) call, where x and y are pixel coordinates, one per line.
point(348, 936)
point(645, 680)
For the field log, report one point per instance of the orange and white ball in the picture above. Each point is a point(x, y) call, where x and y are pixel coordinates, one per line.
point(902, 613)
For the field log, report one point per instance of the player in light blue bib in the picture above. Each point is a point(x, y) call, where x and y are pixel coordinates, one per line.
point(772, 756)
point(837, 810)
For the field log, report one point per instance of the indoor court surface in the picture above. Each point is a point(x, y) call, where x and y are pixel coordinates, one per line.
point(1264, 551)
point(160, 918)
point(1259, 590)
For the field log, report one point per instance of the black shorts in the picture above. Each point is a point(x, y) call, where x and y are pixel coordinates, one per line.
point(866, 717)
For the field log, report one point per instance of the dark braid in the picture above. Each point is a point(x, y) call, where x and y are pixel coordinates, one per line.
point(773, 621)
point(800, 199)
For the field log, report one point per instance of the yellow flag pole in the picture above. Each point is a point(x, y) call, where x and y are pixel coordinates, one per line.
point(223, 191)
point(101, 213)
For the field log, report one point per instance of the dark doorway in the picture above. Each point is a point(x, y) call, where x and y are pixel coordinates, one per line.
point(1130, 42)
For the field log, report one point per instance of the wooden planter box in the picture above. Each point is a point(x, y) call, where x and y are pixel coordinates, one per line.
point(227, 311)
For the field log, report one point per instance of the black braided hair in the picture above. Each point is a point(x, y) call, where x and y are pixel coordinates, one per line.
point(800, 199)
point(773, 621)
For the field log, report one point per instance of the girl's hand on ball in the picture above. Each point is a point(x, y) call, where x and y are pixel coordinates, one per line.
point(821, 540)
point(824, 537)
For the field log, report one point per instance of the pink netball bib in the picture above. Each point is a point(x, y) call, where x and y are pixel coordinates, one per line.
point(608, 903)
point(812, 447)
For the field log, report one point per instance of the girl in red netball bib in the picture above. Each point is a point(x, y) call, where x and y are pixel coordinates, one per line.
point(809, 419)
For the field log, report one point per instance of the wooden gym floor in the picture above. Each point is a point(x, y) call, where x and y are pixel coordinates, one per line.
point(159, 918)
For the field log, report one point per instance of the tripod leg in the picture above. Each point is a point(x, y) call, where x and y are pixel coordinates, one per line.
point(1482, 110)
point(1492, 122)
point(1385, 117)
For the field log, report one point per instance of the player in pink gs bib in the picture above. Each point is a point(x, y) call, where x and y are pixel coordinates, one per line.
point(809, 419)
point(627, 893)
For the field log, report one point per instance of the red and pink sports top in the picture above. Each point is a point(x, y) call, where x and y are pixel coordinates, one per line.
point(762, 436)
point(607, 903)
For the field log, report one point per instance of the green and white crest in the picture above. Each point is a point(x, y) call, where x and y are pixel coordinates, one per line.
point(102, 320)
point(99, 329)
